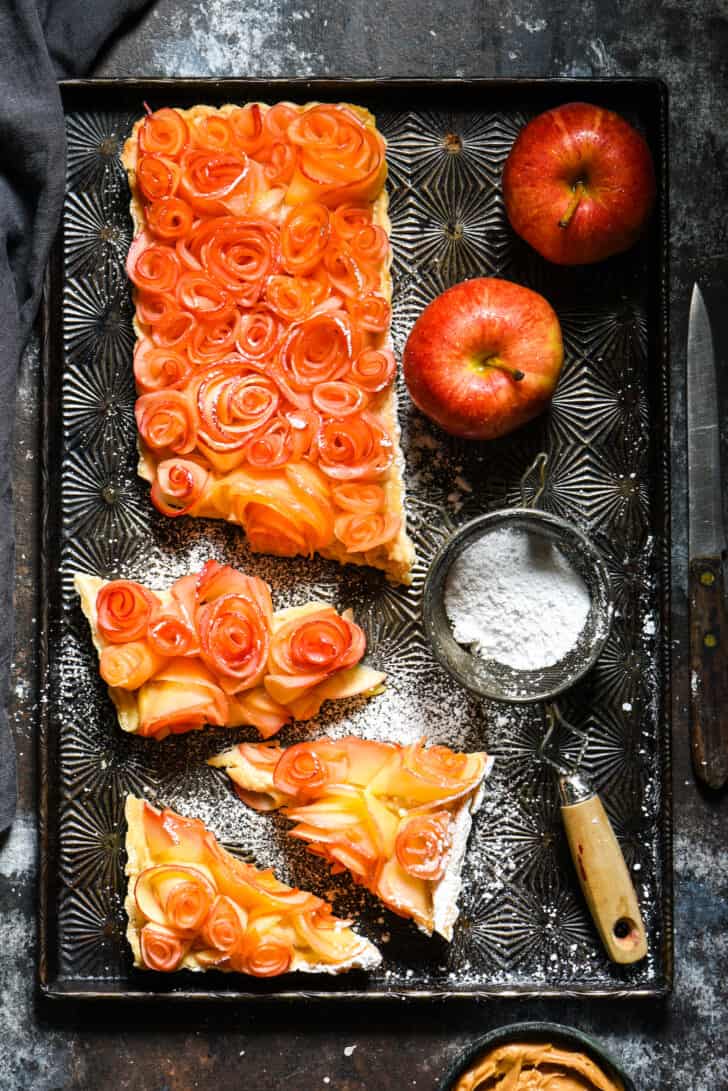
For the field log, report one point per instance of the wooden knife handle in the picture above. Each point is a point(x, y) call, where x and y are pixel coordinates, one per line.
point(605, 880)
point(709, 670)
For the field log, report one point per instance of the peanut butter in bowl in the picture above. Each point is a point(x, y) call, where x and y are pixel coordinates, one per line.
point(535, 1066)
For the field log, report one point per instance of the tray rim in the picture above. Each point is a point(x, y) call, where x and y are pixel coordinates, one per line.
point(49, 983)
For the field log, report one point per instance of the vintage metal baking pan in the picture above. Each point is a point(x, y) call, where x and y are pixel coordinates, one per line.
point(523, 929)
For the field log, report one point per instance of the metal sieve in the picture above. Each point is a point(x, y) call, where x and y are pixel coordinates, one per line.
point(489, 677)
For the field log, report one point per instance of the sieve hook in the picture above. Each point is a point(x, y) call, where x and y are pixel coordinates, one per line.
point(537, 467)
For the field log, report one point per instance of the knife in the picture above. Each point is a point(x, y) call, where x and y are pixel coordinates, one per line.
point(707, 557)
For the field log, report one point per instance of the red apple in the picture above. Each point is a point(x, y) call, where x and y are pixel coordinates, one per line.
point(579, 184)
point(484, 358)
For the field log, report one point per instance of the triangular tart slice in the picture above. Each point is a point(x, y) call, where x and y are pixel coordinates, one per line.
point(396, 817)
point(212, 650)
point(193, 906)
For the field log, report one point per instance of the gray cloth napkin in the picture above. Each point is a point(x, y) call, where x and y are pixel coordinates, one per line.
point(39, 42)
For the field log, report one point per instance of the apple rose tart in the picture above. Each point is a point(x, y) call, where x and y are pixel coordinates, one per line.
point(396, 817)
point(211, 650)
point(264, 363)
point(193, 906)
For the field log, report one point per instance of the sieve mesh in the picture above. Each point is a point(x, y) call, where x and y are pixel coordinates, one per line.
point(496, 680)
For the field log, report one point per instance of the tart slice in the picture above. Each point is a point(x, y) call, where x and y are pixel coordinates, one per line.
point(211, 650)
point(193, 906)
point(264, 363)
point(396, 817)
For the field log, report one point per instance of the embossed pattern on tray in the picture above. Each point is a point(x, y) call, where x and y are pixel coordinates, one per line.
point(523, 924)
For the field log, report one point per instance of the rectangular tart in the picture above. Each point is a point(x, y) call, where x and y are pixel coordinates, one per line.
point(211, 650)
point(264, 362)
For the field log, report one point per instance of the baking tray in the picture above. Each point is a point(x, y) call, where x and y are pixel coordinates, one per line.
point(523, 929)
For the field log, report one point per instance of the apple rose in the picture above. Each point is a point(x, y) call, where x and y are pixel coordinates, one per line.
point(246, 128)
point(258, 334)
point(162, 949)
point(173, 328)
point(285, 512)
point(279, 162)
point(423, 844)
point(270, 531)
point(292, 298)
point(435, 772)
point(175, 895)
point(313, 645)
point(214, 339)
point(360, 531)
point(340, 158)
point(304, 770)
point(304, 235)
point(338, 399)
point(359, 497)
point(305, 424)
point(128, 666)
point(347, 277)
point(169, 218)
point(369, 245)
point(234, 641)
point(370, 311)
point(123, 609)
point(232, 402)
point(277, 119)
point(271, 446)
point(348, 219)
point(166, 421)
point(317, 350)
point(153, 309)
point(263, 956)
point(354, 448)
point(209, 178)
point(158, 176)
point(225, 925)
point(212, 132)
point(207, 301)
point(170, 633)
point(178, 485)
point(215, 580)
point(152, 267)
point(240, 254)
point(158, 368)
point(163, 132)
point(373, 370)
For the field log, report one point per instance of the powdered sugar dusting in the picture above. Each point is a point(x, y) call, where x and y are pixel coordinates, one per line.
point(513, 597)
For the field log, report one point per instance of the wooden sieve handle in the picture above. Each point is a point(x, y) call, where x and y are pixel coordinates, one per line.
point(605, 880)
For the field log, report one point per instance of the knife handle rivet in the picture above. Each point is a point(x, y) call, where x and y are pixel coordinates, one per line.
point(707, 578)
point(710, 640)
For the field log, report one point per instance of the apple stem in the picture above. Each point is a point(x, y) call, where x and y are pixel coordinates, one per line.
point(492, 361)
point(573, 205)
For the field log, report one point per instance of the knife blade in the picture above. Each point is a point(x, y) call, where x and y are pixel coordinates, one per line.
point(707, 548)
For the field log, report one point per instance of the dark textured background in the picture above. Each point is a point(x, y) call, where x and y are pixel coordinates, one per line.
point(681, 1043)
